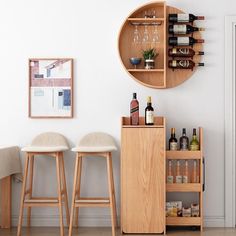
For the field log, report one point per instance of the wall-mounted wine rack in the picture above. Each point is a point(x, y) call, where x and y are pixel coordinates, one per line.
point(162, 76)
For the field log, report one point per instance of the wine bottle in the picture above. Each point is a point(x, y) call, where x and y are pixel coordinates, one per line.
point(183, 64)
point(183, 141)
point(178, 177)
point(184, 41)
point(134, 110)
point(174, 18)
point(149, 112)
point(183, 29)
point(194, 144)
point(173, 141)
point(170, 177)
point(183, 52)
point(185, 176)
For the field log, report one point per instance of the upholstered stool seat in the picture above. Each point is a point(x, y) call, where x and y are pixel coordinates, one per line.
point(93, 145)
point(46, 144)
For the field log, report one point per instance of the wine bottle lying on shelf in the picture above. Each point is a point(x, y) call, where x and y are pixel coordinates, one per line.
point(184, 18)
point(183, 29)
point(184, 41)
point(183, 52)
point(183, 64)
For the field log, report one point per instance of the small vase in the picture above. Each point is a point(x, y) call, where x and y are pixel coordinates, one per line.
point(149, 64)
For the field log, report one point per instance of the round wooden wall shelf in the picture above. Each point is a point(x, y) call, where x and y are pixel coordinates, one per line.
point(161, 77)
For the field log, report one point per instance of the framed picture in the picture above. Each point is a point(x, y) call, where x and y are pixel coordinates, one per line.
point(51, 88)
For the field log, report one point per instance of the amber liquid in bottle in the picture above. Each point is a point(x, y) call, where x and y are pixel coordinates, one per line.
point(134, 110)
point(170, 177)
point(178, 177)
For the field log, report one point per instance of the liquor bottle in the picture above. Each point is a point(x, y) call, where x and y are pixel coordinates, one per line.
point(149, 112)
point(134, 110)
point(183, 52)
point(185, 176)
point(183, 141)
point(184, 41)
point(183, 29)
point(173, 141)
point(178, 177)
point(194, 144)
point(174, 18)
point(170, 177)
point(183, 64)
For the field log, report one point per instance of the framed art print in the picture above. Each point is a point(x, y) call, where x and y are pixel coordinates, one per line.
point(51, 88)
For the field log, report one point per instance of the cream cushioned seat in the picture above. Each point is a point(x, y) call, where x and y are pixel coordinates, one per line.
point(48, 142)
point(96, 142)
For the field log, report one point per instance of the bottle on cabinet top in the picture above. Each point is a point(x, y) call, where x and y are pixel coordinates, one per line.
point(184, 141)
point(149, 112)
point(184, 41)
point(183, 52)
point(183, 64)
point(134, 110)
point(183, 29)
point(173, 143)
point(184, 18)
point(194, 144)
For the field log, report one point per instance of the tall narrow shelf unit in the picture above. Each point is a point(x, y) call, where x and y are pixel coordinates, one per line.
point(189, 187)
point(143, 176)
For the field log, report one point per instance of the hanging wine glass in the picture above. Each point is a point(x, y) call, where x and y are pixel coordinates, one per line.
point(136, 38)
point(155, 35)
point(145, 39)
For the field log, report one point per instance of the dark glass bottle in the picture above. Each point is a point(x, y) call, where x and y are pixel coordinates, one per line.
point(184, 141)
point(184, 18)
point(184, 41)
point(183, 64)
point(149, 112)
point(134, 110)
point(183, 52)
point(173, 143)
point(183, 29)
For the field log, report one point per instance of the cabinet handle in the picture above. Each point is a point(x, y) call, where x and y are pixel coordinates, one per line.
point(204, 172)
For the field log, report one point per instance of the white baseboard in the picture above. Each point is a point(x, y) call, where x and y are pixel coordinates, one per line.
point(100, 220)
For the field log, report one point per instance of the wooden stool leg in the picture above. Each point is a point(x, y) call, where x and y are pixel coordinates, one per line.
point(113, 187)
point(111, 191)
point(31, 176)
point(6, 198)
point(78, 190)
point(59, 193)
point(65, 189)
point(73, 195)
point(23, 195)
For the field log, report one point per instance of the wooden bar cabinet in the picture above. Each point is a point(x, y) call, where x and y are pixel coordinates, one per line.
point(143, 177)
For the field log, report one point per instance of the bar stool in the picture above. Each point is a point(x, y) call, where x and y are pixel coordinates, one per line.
point(46, 144)
point(93, 144)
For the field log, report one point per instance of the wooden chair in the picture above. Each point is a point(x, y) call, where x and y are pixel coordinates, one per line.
point(93, 144)
point(46, 144)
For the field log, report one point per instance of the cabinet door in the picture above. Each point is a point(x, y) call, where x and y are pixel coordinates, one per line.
point(143, 180)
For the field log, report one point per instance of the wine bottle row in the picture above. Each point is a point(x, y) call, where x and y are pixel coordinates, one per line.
point(184, 144)
point(134, 111)
point(183, 172)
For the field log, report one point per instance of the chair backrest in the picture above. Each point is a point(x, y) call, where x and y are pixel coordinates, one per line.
point(97, 139)
point(50, 139)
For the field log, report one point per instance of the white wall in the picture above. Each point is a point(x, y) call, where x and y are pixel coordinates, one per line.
point(87, 31)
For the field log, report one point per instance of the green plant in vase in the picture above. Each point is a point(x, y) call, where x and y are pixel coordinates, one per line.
point(149, 56)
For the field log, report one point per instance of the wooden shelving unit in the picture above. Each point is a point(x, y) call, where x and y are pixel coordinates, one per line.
point(188, 187)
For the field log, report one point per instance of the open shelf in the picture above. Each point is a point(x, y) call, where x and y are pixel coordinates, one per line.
point(191, 187)
point(183, 155)
point(146, 70)
point(183, 221)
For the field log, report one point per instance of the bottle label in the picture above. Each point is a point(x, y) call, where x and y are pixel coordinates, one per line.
point(194, 147)
point(184, 51)
point(184, 63)
point(183, 18)
point(183, 41)
point(174, 63)
point(184, 145)
point(180, 29)
point(149, 117)
point(178, 179)
point(170, 179)
point(174, 51)
point(173, 146)
point(185, 179)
